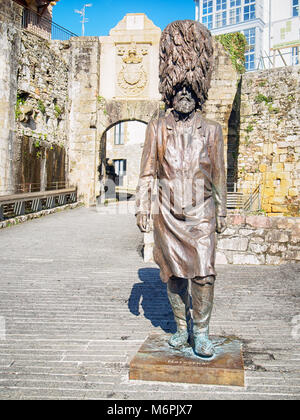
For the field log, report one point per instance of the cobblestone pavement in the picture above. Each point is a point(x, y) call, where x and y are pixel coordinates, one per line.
point(77, 301)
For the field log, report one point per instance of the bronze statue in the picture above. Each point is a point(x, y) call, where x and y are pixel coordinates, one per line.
point(185, 152)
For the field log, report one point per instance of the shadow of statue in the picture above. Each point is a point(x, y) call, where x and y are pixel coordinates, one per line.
point(151, 296)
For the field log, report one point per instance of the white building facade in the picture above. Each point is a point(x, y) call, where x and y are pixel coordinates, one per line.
point(124, 147)
point(271, 27)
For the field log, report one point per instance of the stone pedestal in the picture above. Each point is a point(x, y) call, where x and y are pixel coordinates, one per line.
point(157, 361)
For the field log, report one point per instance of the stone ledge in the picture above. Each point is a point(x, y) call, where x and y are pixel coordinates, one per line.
point(269, 240)
point(21, 219)
point(252, 240)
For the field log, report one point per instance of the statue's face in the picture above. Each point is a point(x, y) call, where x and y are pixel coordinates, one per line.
point(184, 101)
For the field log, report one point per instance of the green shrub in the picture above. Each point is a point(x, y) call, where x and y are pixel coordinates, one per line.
point(57, 110)
point(260, 98)
point(41, 107)
point(20, 101)
point(235, 44)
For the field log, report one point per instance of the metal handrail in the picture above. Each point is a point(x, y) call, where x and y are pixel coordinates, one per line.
point(46, 28)
point(252, 199)
point(237, 198)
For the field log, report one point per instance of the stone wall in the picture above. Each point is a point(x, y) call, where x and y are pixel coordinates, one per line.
point(253, 240)
point(50, 99)
point(10, 38)
point(259, 240)
point(52, 108)
point(269, 143)
point(33, 107)
point(83, 131)
point(222, 92)
point(41, 113)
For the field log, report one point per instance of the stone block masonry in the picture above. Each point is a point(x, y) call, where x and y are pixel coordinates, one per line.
point(42, 90)
point(83, 94)
point(41, 114)
point(54, 103)
point(223, 89)
point(259, 240)
point(269, 146)
point(10, 39)
point(33, 107)
point(252, 240)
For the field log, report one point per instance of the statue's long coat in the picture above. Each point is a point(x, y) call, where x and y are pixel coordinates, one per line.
point(188, 161)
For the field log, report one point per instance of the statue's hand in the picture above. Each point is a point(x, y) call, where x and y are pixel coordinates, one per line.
point(221, 224)
point(142, 221)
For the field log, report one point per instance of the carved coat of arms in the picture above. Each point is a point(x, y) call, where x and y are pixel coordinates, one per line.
point(132, 78)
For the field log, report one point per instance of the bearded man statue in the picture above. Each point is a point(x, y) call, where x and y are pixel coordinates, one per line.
point(185, 152)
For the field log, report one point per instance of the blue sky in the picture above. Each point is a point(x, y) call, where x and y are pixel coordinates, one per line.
point(105, 14)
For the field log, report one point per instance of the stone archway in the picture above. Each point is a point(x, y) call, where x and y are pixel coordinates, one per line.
point(114, 79)
point(112, 113)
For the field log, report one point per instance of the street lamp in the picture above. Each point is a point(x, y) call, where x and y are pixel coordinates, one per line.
point(82, 13)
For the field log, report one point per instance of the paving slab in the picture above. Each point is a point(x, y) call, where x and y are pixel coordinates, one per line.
point(77, 301)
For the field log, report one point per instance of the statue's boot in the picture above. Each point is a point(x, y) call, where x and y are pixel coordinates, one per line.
point(179, 301)
point(202, 297)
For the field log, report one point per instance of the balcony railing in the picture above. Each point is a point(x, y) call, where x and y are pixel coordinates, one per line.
point(44, 27)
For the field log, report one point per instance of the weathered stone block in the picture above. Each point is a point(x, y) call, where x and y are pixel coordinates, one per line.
point(286, 223)
point(233, 244)
point(295, 238)
point(277, 167)
point(276, 248)
point(259, 222)
point(246, 232)
point(273, 260)
point(279, 200)
point(247, 259)
point(221, 258)
point(292, 255)
point(277, 236)
point(229, 232)
point(236, 219)
point(262, 168)
point(258, 248)
point(293, 192)
point(279, 209)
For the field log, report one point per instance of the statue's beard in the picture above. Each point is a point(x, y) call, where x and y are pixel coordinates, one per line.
point(184, 105)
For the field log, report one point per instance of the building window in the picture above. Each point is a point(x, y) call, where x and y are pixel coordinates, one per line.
point(208, 21)
point(250, 62)
point(220, 13)
point(207, 13)
point(221, 19)
point(119, 134)
point(295, 7)
point(120, 169)
point(235, 15)
point(221, 5)
point(235, 12)
point(235, 3)
point(207, 7)
point(250, 52)
point(295, 56)
point(249, 10)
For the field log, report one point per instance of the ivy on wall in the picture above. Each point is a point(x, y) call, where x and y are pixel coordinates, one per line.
point(235, 44)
